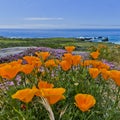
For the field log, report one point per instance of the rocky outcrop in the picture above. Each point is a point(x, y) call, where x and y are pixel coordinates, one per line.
point(84, 38)
point(100, 38)
point(92, 39)
point(105, 39)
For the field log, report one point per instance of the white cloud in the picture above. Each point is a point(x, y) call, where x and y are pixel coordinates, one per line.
point(43, 18)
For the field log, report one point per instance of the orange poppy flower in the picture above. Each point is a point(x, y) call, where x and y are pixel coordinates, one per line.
point(25, 95)
point(95, 63)
point(95, 54)
point(35, 61)
point(27, 68)
point(16, 62)
point(84, 101)
point(94, 72)
point(3, 64)
point(53, 95)
point(46, 90)
point(9, 72)
point(115, 75)
point(44, 84)
point(86, 63)
point(43, 55)
point(67, 57)
point(65, 65)
point(52, 63)
point(105, 74)
point(69, 48)
point(99, 65)
point(76, 60)
point(104, 66)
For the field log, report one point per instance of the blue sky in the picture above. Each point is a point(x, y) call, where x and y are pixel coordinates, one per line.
point(50, 14)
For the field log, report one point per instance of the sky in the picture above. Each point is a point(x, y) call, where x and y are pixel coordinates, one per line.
point(59, 14)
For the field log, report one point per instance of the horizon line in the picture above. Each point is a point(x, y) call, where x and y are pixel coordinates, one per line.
point(62, 28)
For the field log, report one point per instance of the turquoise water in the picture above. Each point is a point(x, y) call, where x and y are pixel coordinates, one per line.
point(112, 34)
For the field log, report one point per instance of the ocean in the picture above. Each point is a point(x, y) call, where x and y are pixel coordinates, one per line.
point(112, 34)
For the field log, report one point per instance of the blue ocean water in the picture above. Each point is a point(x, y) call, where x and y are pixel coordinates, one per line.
point(112, 34)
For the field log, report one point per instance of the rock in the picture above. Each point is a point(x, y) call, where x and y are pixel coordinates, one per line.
point(100, 37)
point(105, 39)
point(83, 38)
point(12, 51)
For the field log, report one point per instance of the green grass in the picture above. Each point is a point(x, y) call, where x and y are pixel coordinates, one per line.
point(48, 42)
point(111, 54)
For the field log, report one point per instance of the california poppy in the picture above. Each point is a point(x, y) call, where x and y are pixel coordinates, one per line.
point(35, 61)
point(86, 63)
point(44, 84)
point(69, 48)
point(94, 72)
point(84, 101)
point(115, 75)
point(43, 55)
point(95, 63)
point(9, 72)
point(105, 74)
point(95, 54)
point(27, 68)
point(104, 66)
point(76, 59)
point(19, 61)
point(3, 64)
point(68, 57)
point(46, 90)
point(53, 95)
point(65, 65)
point(25, 95)
point(52, 63)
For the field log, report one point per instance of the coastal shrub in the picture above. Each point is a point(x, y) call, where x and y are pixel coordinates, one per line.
point(41, 86)
point(109, 53)
point(43, 42)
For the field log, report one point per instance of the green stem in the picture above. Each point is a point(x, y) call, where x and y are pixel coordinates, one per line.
point(47, 106)
point(19, 113)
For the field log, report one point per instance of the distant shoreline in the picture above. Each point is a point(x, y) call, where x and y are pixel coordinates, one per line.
point(112, 34)
point(89, 39)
